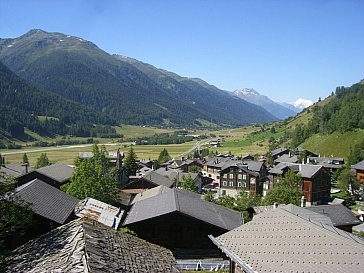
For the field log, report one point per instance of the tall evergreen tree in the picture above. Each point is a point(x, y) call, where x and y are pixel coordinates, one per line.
point(164, 156)
point(25, 158)
point(130, 162)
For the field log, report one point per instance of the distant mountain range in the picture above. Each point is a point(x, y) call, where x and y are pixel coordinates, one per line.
point(126, 90)
point(280, 110)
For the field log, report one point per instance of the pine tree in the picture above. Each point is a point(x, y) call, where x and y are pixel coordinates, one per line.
point(164, 156)
point(130, 161)
point(25, 158)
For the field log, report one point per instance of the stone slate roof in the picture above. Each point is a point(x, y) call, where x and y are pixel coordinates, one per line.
point(358, 166)
point(17, 167)
point(59, 172)
point(158, 179)
point(280, 241)
point(13, 170)
point(279, 150)
point(150, 193)
point(221, 162)
point(287, 158)
point(187, 203)
point(85, 245)
point(305, 170)
point(339, 214)
point(172, 174)
point(47, 201)
point(308, 171)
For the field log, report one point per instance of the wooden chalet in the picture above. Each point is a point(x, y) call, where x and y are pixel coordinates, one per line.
point(181, 221)
point(247, 176)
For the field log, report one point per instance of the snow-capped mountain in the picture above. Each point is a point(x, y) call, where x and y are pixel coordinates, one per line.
point(302, 103)
point(272, 107)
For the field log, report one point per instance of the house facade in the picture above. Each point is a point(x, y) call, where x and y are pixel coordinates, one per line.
point(245, 177)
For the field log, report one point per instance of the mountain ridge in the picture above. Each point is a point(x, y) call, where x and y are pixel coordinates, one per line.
point(78, 70)
point(276, 109)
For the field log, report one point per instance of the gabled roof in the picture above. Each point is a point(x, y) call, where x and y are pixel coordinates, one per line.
point(305, 170)
point(47, 201)
point(150, 193)
point(287, 158)
point(279, 150)
point(280, 241)
point(358, 166)
point(17, 167)
point(157, 179)
point(85, 245)
point(221, 162)
point(13, 170)
point(173, 174)
point(250, 166)
point(58, 171)
point(339, 214)
point(308, 171)
point(187, 203)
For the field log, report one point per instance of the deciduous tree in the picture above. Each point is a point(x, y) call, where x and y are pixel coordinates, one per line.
point(286, 191)
point(42, 161)
point(188, 183)
point(93, 178)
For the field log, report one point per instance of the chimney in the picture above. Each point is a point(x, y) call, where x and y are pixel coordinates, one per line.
point(275, 205)
point(303, 201)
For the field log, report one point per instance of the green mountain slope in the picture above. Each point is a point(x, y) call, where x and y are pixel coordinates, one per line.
point(22, 104)
point(78, 70)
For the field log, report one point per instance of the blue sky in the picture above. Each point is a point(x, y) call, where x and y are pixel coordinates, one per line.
point(284, 49)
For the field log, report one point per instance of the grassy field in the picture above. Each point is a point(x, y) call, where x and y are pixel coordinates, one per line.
point(67, 155)
point(130, 131)
point(336, 144)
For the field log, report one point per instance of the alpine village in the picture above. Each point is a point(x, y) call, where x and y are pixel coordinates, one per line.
point(109, 164)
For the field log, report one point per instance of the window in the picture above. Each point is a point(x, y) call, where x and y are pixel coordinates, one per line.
point(244, 176)
point(240, 176)
point(223, 192)
point(243, 184)
point(252, 180)
point(224, 183)
point(217, 177)
point(225, 175)
point(266, 186)
point(231, 183)
point(239, 184)
point(231, 176)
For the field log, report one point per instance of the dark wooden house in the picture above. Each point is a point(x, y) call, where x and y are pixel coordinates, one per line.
point(247, 176)
point(181, 221)
point(55, 175)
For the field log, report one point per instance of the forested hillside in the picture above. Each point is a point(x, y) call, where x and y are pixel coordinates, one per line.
point(79, 71)
point(22, 105)
point(343, 112)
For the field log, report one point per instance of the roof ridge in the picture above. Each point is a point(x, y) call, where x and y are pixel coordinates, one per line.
point(318, 225)
point(176, 200)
